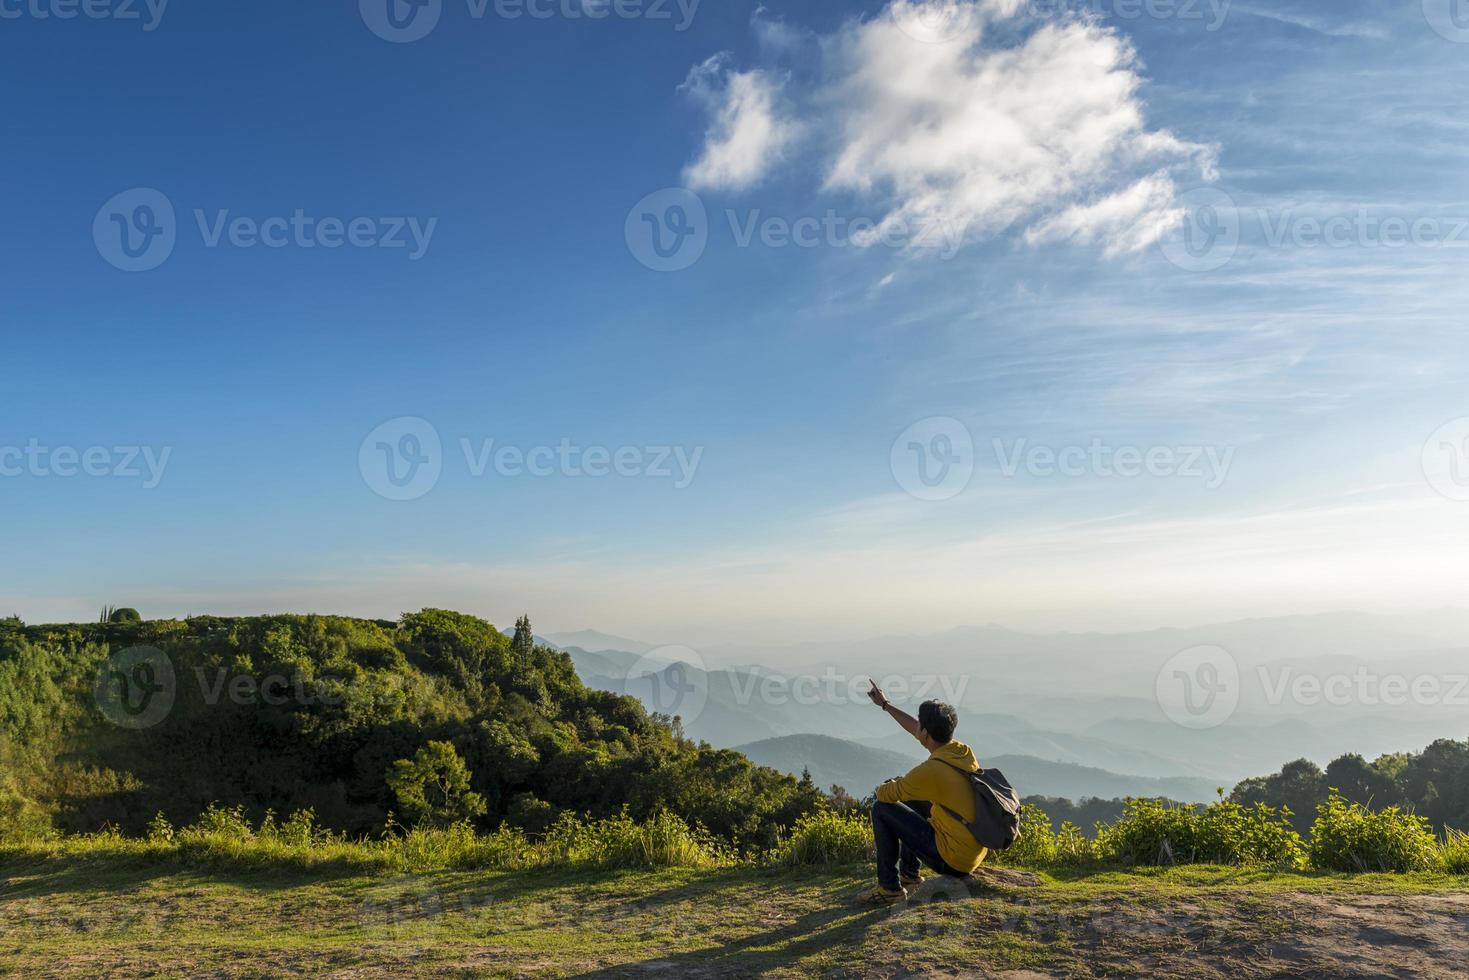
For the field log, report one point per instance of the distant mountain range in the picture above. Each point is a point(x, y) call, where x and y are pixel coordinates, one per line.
point(1086, 700)
point(593, 641)
point(859, 768)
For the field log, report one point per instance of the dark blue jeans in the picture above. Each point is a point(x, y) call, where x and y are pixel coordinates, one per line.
point(904, 838)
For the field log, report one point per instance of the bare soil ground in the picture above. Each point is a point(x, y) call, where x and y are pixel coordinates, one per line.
point(64, 917)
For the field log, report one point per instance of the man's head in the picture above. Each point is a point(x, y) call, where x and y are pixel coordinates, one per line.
point(936, 723)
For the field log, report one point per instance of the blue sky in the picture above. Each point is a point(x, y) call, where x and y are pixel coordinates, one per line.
point(1058, 310)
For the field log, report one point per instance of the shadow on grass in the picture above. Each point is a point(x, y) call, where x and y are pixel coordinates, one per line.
point(37, 875)
point(819, 931)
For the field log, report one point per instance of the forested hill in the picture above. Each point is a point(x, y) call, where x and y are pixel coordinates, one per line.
point(434, 718)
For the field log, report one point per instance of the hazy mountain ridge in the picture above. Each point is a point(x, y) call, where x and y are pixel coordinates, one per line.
point(859, 768)
point(1089, 699)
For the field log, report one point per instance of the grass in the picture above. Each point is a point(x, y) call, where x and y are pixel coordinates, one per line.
point(149, 911)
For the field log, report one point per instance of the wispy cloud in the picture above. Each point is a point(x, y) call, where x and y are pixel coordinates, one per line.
point(958, 137)
point(748, 132)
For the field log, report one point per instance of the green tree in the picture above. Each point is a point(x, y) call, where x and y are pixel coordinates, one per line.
point(1360, 782)
point(433, 786)
point(524, 642)
point(123, 615)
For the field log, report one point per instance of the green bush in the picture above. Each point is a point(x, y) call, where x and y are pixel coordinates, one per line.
point(827, 838)
point(1350, 837)
point(1073, 847)
point(21, 818)
point(1035, 847)
point(1455, 852)
point(1161, 833)
point(664, 841)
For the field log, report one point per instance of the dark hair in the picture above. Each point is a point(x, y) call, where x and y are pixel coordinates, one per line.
point(939, 720)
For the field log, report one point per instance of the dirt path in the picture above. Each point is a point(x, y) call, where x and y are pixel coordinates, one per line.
point(1289, 934)
point(100, 918)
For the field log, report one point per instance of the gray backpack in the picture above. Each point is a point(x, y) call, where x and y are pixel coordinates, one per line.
point(996, 822)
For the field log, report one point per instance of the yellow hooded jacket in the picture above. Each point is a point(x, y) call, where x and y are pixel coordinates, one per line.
point(936, 781)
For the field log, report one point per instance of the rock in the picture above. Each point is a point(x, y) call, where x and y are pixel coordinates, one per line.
point(995, 877)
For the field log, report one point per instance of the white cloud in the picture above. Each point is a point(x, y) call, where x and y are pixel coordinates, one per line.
point(747, 133)
point(1127, 221)
point(948, 134)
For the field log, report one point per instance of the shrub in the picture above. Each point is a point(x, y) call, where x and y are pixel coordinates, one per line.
point(1350, 837)
point(827, 838)
point(21, 819)
point(1455, 852)
point(1157, 832)
point(1073, 847)
point(1036, 845)
point(665, 841)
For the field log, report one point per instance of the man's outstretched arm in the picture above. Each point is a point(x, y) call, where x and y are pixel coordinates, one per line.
point(908, 722)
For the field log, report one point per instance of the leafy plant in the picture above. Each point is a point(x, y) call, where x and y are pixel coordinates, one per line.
point(1157, 832)
point(433, 786)
point(1036, 844)
point(1455, 852)
point(827, 838)
point(1350, 837)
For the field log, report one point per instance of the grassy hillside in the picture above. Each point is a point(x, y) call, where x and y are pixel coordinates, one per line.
point(86, 916)
point(437, 717)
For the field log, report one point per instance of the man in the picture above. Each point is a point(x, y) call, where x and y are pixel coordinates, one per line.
point(914, 818)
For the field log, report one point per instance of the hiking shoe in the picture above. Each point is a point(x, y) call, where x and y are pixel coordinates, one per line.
point(910, 882)
point(880, 896)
